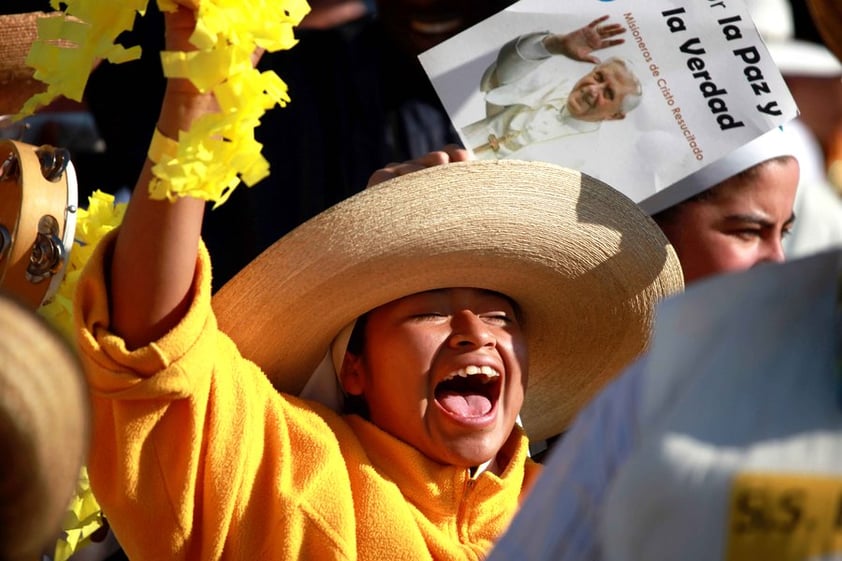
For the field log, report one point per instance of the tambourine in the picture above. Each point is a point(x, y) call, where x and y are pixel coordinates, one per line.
point(38, 205)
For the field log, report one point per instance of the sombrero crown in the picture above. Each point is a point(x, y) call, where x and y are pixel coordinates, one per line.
point(17, 79)
point(583, 262)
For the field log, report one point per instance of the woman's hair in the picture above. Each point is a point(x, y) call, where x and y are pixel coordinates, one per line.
point(748, 175)
point(356, 404)
point(356, 342)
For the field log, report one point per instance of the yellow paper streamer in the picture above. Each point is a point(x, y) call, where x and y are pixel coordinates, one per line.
point(101, 216)
point(83, 518)
point(84, 515)
point(220, 150)
point(68, 47)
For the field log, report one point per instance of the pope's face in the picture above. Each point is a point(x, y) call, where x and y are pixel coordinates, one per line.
point(598, 95)
point(444, 371)
point(740, 225)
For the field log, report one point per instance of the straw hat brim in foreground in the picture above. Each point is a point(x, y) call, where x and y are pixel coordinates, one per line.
point(584, 263)
point(44, 430)
point(827, 16)
point(17, 82)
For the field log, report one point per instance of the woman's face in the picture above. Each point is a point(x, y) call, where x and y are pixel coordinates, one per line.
point(444, 371)
point(740, 225)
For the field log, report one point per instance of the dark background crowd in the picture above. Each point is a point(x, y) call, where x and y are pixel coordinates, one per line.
point(359, 96)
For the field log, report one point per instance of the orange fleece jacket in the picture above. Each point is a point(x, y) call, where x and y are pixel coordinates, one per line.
point(196, 456)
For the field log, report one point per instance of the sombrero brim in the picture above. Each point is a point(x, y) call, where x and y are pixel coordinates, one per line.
point(827, 16)
point(17, 82)
point(44, 429)
point(585, 264)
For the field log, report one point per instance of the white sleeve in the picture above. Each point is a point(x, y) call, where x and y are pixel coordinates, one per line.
point(531, 46)
point(560, 518)
point(520, 56)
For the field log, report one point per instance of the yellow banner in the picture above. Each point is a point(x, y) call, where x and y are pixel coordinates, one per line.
point(777, 517)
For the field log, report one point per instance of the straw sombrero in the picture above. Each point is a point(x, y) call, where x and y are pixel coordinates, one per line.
point(17, 83)
point(44, 425)
point(584, 263)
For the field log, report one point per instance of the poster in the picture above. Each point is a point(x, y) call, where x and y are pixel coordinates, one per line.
point(691, 81)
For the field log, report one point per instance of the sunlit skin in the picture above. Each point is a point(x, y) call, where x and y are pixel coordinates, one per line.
point(598, 95)
point(740, 225)
point(416, 342)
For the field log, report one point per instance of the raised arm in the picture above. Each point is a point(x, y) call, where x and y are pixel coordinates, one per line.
point(155, 253)
point(525, 53)
point(581, 43)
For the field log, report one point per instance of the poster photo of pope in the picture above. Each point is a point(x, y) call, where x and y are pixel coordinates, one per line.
point(529, 99)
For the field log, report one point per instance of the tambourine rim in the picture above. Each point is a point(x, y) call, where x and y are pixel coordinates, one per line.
point(68, 237)
point(35, 202)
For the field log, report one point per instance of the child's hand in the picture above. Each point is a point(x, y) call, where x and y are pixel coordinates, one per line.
point(450, 153)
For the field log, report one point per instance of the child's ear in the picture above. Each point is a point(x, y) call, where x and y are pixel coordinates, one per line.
point(351, 374)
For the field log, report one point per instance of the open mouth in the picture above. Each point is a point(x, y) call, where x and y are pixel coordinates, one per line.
point(470, 392)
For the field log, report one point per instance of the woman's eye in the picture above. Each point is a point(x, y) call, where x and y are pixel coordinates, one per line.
point(748, 233)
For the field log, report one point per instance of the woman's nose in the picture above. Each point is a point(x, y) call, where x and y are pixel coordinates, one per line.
point(775, 251)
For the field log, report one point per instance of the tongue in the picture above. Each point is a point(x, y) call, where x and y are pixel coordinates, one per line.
point(465, 405)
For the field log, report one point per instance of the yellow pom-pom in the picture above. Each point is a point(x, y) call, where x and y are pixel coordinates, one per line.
point(161, 147)
point(227, 34)
point(83, 516)
point(101, 216)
